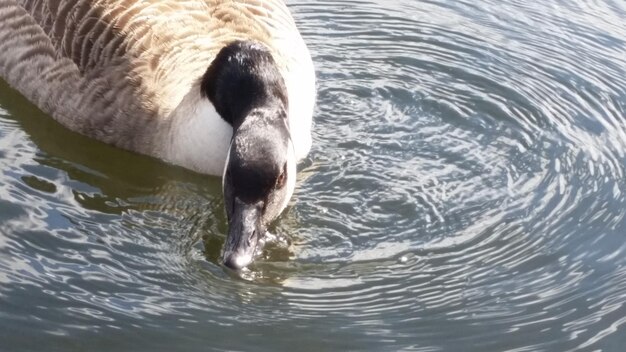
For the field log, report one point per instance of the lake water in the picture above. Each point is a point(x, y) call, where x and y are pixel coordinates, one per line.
point(466, 192)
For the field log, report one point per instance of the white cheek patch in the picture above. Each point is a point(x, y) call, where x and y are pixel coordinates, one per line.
point(291, 170)
point(226, 165)
point(291, 178)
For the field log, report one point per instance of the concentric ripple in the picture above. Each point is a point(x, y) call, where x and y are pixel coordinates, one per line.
point(466, 192)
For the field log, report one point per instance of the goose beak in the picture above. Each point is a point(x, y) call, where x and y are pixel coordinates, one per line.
point(243, 234)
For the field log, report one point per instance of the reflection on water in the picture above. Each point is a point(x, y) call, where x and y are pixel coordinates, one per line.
point(466, 191)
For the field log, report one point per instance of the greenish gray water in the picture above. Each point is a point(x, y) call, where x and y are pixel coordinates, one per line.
point(466, 192)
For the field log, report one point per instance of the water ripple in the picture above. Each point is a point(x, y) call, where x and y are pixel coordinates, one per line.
point(466, 191)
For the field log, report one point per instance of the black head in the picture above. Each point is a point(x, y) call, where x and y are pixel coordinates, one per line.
point(244, 76)
point(247, 90)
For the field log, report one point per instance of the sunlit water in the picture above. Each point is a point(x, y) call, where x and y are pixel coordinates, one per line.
point(466, 192)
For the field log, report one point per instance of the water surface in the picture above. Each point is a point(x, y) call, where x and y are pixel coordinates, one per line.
point(466, 192)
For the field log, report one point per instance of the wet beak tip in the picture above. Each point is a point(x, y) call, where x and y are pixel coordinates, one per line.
point(238, 261)
point(242, 261)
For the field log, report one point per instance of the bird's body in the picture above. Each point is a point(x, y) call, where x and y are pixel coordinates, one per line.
point(127, 72)
point(222, 87)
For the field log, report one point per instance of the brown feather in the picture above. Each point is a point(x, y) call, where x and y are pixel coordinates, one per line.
point(116, 70)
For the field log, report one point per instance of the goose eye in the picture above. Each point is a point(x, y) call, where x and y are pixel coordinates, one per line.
point(280, 181)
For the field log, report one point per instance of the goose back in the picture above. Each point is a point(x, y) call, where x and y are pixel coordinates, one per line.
point(121, 70)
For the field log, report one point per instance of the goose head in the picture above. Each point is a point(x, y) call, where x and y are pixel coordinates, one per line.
point(248, 91)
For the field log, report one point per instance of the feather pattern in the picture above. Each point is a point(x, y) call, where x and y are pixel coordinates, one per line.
point(124, 71)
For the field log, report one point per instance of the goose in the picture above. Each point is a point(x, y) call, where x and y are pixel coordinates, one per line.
point(220, 87)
